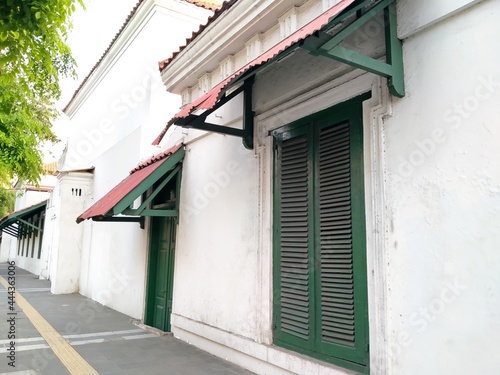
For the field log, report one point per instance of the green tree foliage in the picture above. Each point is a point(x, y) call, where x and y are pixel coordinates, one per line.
point(7, 195)
point(33, 57)
point(7, 201)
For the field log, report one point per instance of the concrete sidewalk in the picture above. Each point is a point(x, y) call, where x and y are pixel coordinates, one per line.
point(106, 339)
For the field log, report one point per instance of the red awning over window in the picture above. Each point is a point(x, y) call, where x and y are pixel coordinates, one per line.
point(104, 206)
point(210, 99)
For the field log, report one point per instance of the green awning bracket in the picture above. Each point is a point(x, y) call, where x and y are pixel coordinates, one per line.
point(172, 165)
point(321, 43)
point(141, 210)
point(145, 186)
point(246, 133)
point(30, 224)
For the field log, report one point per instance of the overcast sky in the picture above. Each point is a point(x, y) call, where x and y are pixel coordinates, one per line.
point(93, 30)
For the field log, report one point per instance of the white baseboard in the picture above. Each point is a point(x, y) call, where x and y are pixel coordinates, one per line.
point(259, 358)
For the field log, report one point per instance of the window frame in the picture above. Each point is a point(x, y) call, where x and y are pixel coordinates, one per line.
point(350, 111)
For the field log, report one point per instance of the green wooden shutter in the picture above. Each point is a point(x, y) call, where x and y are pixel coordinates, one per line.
point(341, 278)
point(293, 269)
point(320, 300)
point(335, 230)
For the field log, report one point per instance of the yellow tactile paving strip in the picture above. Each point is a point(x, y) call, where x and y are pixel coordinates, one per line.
point(69, 357)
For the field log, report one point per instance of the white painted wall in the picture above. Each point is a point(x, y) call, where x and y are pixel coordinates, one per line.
point(224, 245)
point(5, 247)
point(114, 119)
point(25, 262)
point(74, 189)
point(50, 232)
point(415, 16)
point(50, 244)
point(443, 198)
point(216, 255)
point(29, 198)
point(224, 250)
point(114, 254)
point(432, 200)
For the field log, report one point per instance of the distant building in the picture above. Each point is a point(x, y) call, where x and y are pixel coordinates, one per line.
point(323, 201)
point(338, 209)
point(114, 115)
point(23, 230)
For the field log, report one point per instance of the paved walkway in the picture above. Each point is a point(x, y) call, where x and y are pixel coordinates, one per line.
point(95, 339)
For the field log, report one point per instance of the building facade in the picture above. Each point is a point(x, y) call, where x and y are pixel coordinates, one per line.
point(326, 199)
point(113, 116)
point(358, 232)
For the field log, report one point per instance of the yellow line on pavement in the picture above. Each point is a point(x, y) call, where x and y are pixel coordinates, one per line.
point(70, 358)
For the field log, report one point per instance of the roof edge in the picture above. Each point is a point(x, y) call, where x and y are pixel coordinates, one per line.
point(226, 5)
point(105, 53)
point(212, 5)
point(29, 208)
point(204, 4)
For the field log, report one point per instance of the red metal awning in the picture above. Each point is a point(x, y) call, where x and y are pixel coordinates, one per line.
point(104, 206)
point(210, 99)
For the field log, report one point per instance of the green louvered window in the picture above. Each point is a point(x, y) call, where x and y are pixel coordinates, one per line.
point(320, 298)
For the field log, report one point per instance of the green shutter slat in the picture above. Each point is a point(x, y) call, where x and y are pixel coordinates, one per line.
point(293, 168)
point(336, 199)
point(336, 172)
point(294, 254)
point(335, 220)
point(289, 249)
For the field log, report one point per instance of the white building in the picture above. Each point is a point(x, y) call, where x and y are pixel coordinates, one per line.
point(114, 115)
point(357, 231)
point(325, 202)
point(24, 229)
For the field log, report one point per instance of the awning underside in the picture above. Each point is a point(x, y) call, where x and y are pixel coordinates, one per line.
point(28, 218)
point(120, 199)
point(320, 37)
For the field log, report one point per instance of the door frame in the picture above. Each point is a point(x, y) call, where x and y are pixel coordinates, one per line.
point(153, 249)
point(152, 254)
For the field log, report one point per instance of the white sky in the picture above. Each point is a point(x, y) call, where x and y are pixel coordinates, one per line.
point(93, 30)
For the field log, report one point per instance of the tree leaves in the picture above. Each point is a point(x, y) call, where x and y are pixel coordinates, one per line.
point(33, 57)
point(7, 200)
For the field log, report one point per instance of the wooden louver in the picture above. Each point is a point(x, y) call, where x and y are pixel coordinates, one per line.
point(336, 247)
point(294, 242)
point(320, 238)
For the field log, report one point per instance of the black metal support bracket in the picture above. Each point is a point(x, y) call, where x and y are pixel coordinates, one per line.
point(124, 219)
point(246, 133)
point(30, 225)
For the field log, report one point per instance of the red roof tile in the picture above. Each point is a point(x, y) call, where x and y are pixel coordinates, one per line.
point(102, 207)
point(40, 188)
point(225, 6)
point(207, 4)
point(156, 158)
point(208, 100)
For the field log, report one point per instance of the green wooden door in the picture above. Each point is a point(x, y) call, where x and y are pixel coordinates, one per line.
point(161, 273)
